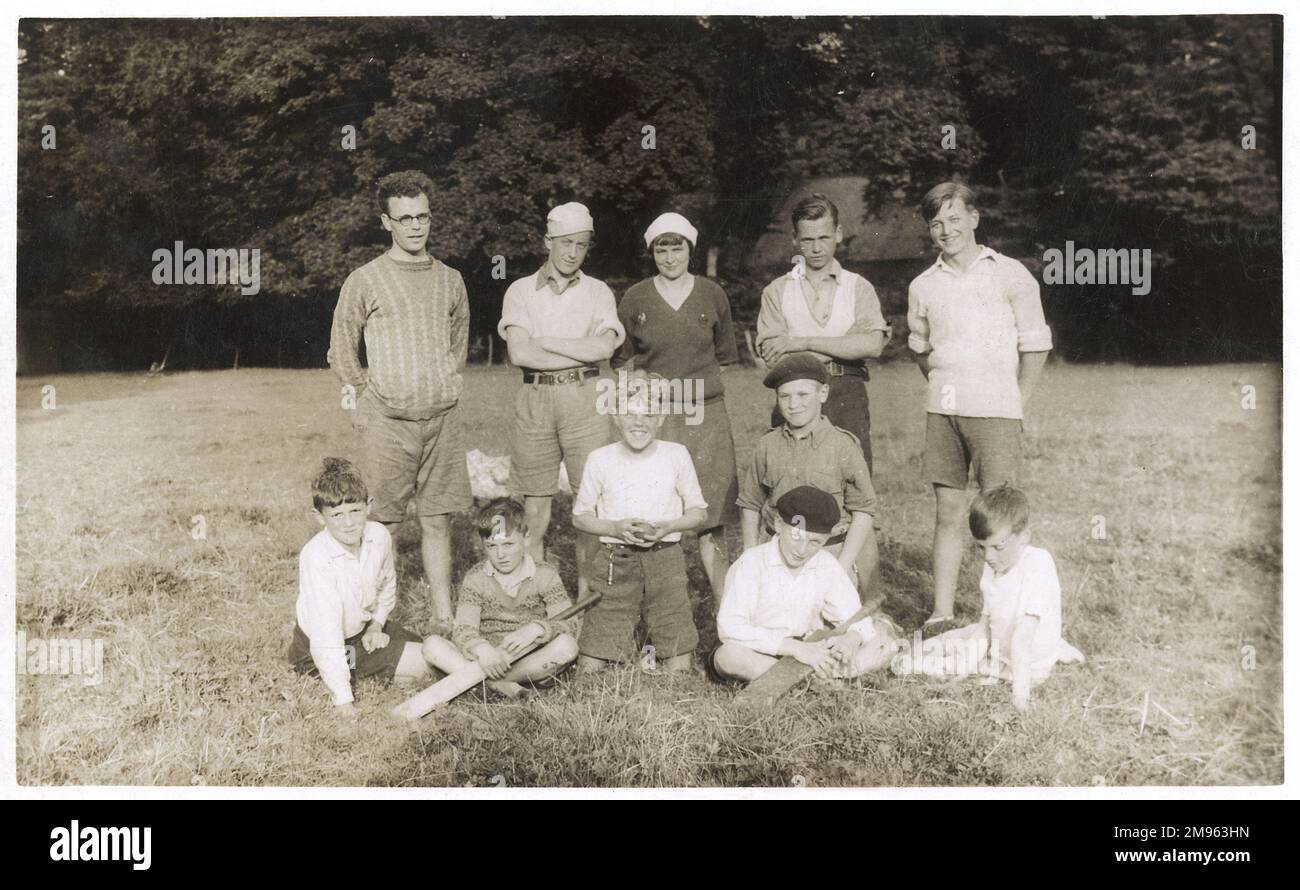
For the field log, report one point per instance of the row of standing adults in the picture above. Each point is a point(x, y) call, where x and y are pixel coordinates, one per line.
point(559, 324)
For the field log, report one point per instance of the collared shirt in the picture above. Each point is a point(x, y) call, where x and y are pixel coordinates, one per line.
point(549, 275)
point(415, 321)
point(585, 308)
point(974, 325)
point(339, 594)
point(511, 583)
point(764, 601)
point(833, 303)
point(827, 458)
point(486, 611)
point(658, 485)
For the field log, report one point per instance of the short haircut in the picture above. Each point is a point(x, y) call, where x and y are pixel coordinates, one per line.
point(999, 508)
point(941, 194)
point(669, 239)
point(403, 184)
point(500, 516)
point(338, 482)
point(815, 206)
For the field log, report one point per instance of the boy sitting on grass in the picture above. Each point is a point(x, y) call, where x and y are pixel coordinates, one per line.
point(807, 449)
point(638, 495)
point(507, 602)
point(1018, 635)
point(347, 586)
point(779, 592)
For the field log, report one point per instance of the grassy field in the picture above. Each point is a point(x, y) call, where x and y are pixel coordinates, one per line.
point(1178, 607)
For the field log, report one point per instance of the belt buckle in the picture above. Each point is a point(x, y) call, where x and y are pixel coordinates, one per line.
point(835, 369)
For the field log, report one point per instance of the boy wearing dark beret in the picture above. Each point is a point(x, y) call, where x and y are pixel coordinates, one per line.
point(779, 592)
point(807, 449)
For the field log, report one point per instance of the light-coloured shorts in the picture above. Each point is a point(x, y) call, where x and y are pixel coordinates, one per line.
point(554, 423)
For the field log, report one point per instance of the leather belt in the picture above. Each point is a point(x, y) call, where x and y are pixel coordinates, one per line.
point(554, 378)
point(836, 369)
point(659, 545)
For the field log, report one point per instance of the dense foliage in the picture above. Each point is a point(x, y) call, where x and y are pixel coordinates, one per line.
point(1122, 133)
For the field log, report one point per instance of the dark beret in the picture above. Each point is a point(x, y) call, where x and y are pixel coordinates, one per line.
point(810, 507)
point(799, 366)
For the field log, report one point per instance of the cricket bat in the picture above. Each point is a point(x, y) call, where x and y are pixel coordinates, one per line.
point(780, 678)
point(464, 680)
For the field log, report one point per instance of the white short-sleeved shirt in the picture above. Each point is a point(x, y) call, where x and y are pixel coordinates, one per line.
point(1030, 587)
point(658, 485)
point(974, 325)
point(586, 308)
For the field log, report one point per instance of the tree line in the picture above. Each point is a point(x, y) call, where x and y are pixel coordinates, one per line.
point(1126, 133)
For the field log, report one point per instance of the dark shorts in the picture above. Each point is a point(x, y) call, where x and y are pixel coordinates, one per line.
point(958, 447)
point(848, 408)
point(712, 672)
point(381, 664)
point(636, 584)
point(713, 451)
point(554, 423)
point(401, 460)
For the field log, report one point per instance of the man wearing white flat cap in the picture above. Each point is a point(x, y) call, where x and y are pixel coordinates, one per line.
point(558, 324)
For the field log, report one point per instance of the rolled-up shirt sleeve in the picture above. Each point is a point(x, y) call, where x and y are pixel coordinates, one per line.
point(735, 614)
point(604, 315)
point(859, 493)
point(751, 494)
point(513, 311)
point(687, 482)
point(1032, 332)
point(842, 602)
point(320, 615)
point(867, 316)
point(918, 326)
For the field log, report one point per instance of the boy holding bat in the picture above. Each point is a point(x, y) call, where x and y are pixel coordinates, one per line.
point(508, 603)
point(778, 593)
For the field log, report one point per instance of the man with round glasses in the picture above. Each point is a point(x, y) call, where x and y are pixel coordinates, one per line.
point(413, 312)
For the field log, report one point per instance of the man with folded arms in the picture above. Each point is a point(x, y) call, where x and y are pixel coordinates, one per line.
point(558, 324)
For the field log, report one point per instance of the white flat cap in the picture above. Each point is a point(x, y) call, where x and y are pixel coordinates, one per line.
point(569, 219)
point(674, 223)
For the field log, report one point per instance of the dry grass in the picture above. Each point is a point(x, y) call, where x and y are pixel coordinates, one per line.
point(195, 689)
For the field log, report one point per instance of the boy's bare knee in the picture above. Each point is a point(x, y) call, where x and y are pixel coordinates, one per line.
point(565, 648)
point(434, 524)
point(736, 661)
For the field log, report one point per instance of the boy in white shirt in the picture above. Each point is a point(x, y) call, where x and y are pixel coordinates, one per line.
point(638, 495)
point(1019, 631)
point(347, 586)
point(977, 331)
point(779, 592)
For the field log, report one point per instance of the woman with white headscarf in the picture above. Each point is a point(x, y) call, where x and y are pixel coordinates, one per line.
point(679, 328)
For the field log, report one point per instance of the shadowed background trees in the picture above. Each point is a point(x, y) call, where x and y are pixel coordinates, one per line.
point(1115, 133)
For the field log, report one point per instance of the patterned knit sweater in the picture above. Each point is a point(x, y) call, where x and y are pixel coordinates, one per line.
point(414, 317)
